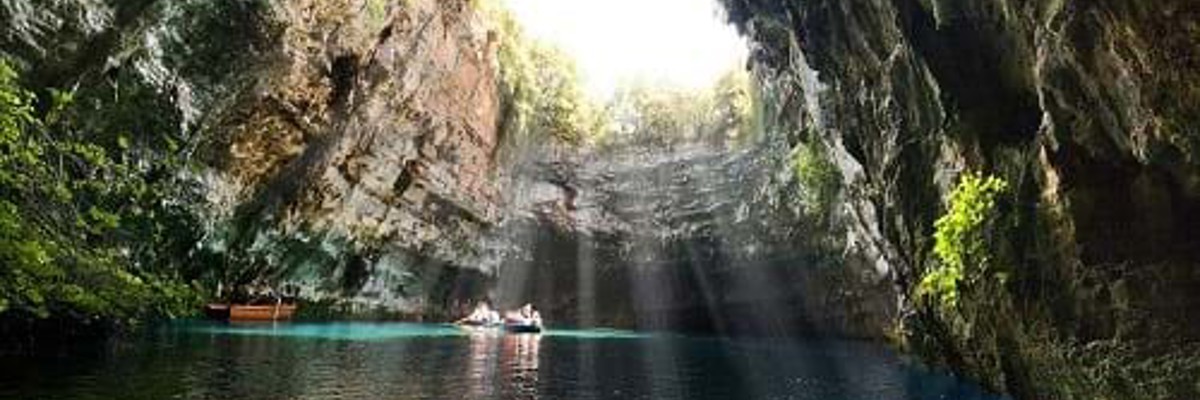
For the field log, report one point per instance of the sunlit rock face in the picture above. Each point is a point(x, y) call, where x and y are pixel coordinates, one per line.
point(375, 130)
point(698, 238)
point(349, 143)
point(1088, 109)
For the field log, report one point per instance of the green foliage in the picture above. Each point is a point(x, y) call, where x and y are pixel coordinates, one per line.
point(83, 226)
point(819, 178)
point(544, 99)
point(376, 12)
point(646, 115)
point(541, 89)
point(643, 114)
point(737, 104)
point(960, 238)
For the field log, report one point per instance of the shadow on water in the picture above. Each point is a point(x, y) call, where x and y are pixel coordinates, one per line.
point(415, 361)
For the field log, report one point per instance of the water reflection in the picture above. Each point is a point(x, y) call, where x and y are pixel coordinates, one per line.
point(482, 367)
point(522, 356)
point(502, 365)
point(403, 362)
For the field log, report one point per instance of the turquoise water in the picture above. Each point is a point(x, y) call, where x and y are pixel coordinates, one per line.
point(322, 361)
point(382, 331)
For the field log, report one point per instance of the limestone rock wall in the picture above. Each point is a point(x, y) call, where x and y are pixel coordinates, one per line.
point(1087, 108)
point(387, 116)
point(347, 145)
point(376, 127)
point(696, 238)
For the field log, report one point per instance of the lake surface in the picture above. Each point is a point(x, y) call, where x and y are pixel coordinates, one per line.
point(415, 361)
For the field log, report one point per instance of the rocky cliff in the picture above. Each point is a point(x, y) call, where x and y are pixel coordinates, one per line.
point(1087, 110)
point(374, 132)
point(692, 237)
point(352, 149)
point(345, 146)
point(349, 147)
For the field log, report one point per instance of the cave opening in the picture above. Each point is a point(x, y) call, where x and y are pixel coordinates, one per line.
point(653, 213)
point(697, 211)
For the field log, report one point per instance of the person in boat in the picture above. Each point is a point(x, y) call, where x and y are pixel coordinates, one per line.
point(525, 316)
point(482, 315)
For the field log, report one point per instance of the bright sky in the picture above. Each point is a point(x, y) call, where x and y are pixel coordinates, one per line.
point(675, 42)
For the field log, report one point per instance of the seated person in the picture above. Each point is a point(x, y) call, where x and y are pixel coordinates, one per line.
point(482, 315)
point(525, 316)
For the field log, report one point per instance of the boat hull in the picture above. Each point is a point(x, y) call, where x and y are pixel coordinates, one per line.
point(476, 324)
point(523, 329)
point(241, 312)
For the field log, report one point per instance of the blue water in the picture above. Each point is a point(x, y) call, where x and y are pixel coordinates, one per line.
point(419, 361)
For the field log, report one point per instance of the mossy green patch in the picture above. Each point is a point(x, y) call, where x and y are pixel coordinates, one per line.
point(819, 178)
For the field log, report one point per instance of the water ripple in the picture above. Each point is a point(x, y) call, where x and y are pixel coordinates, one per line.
point(412, 361)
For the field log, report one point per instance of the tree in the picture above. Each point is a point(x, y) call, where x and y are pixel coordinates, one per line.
point(82, 225)
point(541, 90)
point(960, 239)
point(645, 114)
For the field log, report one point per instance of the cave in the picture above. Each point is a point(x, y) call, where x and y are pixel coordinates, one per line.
point(528, 199)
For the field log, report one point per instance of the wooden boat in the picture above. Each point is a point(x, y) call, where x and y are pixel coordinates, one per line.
point(275, 312)
point(245, 312)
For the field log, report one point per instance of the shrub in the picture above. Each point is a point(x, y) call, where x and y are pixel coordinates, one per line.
point(960, 238)
point(540, 87)
point(819, 178)
point(83, 228)
point(644, 114)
